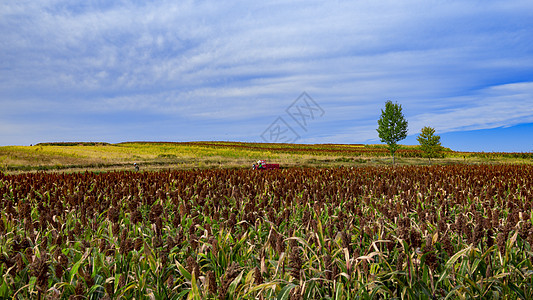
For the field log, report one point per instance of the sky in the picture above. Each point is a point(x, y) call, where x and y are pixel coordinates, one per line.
point(266, 71)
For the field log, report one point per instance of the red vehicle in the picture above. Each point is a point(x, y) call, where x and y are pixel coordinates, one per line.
point(262, 165)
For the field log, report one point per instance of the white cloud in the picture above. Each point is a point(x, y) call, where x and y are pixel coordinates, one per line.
point(502, 105)
point(448, 63)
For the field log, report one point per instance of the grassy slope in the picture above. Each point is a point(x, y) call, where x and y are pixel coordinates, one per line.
point(77, 157)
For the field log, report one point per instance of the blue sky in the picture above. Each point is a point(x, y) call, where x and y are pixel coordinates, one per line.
point(227, 70)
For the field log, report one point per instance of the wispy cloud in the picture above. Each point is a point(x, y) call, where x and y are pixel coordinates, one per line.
point(496, 106)
point(237, 65)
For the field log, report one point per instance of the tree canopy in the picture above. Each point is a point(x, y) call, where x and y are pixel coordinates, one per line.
point(429, 142)
point(392, 126)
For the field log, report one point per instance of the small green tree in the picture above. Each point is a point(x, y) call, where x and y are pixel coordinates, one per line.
point(429, 143)
point(392, 126)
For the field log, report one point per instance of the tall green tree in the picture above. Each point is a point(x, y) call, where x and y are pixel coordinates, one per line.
point(429, 143)
point(392, 126)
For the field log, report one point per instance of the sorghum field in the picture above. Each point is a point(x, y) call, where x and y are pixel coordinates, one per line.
point(370, 232)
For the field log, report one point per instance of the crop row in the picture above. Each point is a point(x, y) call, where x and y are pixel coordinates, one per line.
point(299, 149)
point(345, 150)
